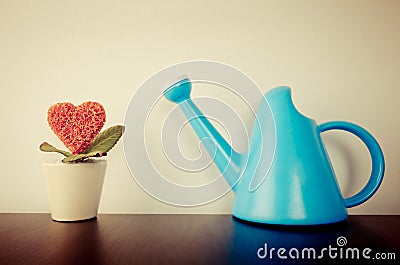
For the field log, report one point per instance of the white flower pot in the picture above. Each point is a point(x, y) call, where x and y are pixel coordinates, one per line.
point(74, 189)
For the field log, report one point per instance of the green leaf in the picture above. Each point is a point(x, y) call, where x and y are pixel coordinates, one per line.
point(81, 157)
point(46, 147)
point(106, 140)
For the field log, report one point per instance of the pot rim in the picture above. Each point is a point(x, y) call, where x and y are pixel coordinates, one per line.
point(86, 162)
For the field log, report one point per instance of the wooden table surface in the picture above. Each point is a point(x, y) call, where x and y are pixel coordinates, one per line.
point(190, 239)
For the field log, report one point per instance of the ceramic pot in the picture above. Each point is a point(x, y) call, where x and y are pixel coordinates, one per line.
point(74, 189)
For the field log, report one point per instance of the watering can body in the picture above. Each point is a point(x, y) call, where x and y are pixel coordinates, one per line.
point(286, 176)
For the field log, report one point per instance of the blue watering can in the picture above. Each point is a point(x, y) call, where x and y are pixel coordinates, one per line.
point(286, 176)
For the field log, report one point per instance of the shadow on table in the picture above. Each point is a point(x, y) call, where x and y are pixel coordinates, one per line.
point(75, 243)
point(337, 243)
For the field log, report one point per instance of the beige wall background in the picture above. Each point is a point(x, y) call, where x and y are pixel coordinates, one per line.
point(342, 59)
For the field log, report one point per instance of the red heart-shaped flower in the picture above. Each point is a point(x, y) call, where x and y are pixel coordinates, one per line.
point(76, 126)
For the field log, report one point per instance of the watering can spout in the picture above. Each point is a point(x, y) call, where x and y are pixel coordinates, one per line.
point(227, 160)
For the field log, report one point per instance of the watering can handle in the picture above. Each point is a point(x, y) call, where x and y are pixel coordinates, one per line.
point(378, 162)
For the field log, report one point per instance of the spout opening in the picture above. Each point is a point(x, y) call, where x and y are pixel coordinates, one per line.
point(179, 91)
